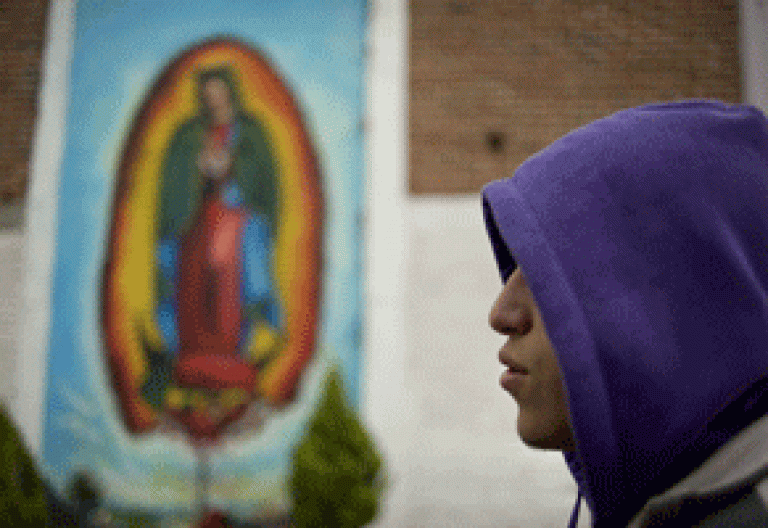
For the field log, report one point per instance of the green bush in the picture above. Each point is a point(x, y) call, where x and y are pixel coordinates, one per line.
point(337, 476)
point(22, 493)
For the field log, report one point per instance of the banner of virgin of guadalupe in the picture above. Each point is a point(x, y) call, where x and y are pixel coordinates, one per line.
point(204, 305)
point(211, 205)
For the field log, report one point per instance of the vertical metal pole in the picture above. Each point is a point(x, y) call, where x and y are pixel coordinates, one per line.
point(203, 479)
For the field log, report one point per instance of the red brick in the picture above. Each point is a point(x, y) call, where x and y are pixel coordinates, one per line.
point(22, 33)
point(531, 71)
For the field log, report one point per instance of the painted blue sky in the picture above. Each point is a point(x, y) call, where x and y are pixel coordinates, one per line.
point(119, 49)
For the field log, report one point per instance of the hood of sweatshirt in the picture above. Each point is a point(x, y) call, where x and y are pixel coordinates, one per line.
point(644, 240)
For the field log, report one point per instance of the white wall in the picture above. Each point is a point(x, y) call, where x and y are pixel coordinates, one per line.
point(11, 299)
point(464, 466)
point(754, 52)
point(38, 246)
point(431, 392)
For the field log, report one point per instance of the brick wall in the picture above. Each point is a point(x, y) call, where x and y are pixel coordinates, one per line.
point(493, 81)
point(22, 29)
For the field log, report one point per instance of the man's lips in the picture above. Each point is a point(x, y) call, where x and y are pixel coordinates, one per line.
point(512, 365)
point(513, 379)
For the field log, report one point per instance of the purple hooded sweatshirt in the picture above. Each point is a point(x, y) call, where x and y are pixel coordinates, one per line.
point(644, 240)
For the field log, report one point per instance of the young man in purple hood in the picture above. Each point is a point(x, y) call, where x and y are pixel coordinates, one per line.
point(634, 258)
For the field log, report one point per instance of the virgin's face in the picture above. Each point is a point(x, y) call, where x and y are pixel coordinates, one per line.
point(216, 95)
point(533, 375)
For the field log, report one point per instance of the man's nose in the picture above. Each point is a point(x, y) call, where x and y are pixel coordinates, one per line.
point(494, 317)
point(510, 318)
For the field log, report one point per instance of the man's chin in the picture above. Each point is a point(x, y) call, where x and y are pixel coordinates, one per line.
point(544, 442)
point(540, 443)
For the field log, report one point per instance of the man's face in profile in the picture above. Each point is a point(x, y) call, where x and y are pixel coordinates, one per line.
point(533, 377)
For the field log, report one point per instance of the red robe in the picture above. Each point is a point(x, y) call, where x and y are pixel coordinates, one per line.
point(210, 315)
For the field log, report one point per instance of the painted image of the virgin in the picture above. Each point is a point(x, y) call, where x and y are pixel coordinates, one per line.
point(212, 277)
point(215, 222)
